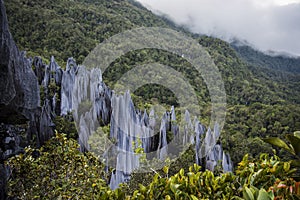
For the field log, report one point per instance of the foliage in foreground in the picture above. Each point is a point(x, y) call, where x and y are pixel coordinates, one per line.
point(60, 171)
point(265, 178)
point(57, 170)
point(293, 147)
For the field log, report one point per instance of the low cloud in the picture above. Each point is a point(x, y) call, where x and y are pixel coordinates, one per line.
point(268, 25)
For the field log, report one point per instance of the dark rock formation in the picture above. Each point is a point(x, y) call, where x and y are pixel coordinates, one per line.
point(19, 94)
point(19, 90)
point(19, 101)
point(19, 87)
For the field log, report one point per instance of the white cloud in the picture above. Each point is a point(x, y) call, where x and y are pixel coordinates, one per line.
point(268, 24)
point(284, 2)
point(266, 3)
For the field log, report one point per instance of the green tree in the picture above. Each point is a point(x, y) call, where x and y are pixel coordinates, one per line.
point(58, 171)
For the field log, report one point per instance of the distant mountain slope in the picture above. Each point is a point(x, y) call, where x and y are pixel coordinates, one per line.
point(280, 70)
point(256, 83)
point(277, 62)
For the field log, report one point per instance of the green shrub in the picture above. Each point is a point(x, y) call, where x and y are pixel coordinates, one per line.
point(58, 171)
point(254, 179)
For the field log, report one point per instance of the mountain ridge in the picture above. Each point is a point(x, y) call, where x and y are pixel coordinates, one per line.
point(272, 59)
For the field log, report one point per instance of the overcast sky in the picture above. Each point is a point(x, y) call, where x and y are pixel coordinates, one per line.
point(267, 24)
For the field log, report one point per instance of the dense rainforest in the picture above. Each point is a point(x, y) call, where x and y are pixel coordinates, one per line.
point(263, 100)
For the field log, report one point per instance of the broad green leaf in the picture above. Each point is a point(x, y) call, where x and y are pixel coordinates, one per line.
point(193, 197)
point(263, 195)
point(295, 141)
point(286, 166)
point(135, 193)
point(181, 172)
point(279, 143)
point(174, 187)
point(247, 194)
point(237, 198)
point(297, 134)
point(197, 167)
point(254, 191)
point(142, 188)
point(190, 174)
point(256, 175)
point(166, 169)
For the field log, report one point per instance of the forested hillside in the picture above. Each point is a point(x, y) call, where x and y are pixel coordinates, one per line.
point(286, 63)
point(72, 28)
point(261, 102)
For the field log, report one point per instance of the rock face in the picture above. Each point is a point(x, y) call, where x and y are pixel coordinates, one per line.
point(68, 80)
point(19, 90)
point(19, 95)
point(126, 133)
point(20, 111)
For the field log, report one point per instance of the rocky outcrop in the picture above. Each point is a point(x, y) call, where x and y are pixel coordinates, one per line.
point(19, 90)
point(93, 105)
point(19, 95)
point(128, 125)
point(20, 111)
